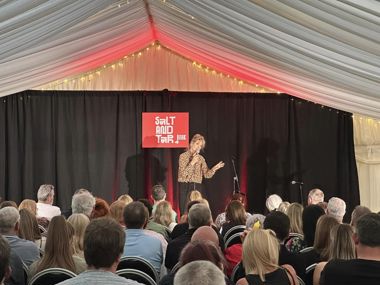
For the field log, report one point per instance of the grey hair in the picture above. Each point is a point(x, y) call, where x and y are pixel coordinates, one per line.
point(199, 215)
point(272, 202)
point(44, 192)
point(316, 196)
point(83, 203)
point(9, 216)
point(200, 272)
point(252, 220)
point(336, 208)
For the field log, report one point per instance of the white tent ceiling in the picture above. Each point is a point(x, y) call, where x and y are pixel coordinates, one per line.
point(324, 51)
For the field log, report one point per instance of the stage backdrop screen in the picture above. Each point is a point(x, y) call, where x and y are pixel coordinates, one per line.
point(165, 130)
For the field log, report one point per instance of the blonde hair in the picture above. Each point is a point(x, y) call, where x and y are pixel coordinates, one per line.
point(30, 205)
point(79, 223)
point(163, 213)
point(295, 216)
point(116, 211)
point(196, 138)
point(283, 207)
point(195, 195)
point(125, 198)
point(260, 252)
point(342, 245)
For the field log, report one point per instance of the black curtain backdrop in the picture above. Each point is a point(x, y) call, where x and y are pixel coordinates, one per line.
point(92, 140)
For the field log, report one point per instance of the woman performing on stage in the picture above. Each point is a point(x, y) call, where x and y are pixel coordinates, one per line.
point(192, 169)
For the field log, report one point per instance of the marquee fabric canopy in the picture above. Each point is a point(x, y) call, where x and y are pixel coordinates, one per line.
point(323, 51)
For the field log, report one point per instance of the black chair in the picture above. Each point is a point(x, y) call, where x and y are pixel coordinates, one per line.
point(306, 249)
point(234, 239)
point(300, 281)
point(232, 231)
point(136, 275)
point(237, 273)
point(138, 263)
point(25, 269)
point(309, 272)
point(42, 229)
point(51, 276)
point(175, 268)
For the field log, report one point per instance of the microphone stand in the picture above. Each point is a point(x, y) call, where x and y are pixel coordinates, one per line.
point(301, 192)
point(235, 179)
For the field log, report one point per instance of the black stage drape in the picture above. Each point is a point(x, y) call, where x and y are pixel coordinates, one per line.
point(85, 139)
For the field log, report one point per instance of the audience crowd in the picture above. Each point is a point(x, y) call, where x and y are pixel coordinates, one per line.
point(290, 244)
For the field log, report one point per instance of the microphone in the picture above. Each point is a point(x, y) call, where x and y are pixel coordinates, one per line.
point(296, 182)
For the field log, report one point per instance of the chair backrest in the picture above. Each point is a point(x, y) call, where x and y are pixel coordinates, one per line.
point(136, 275)
point(175, 268)
point(237, 273)
point(139, 263)
point(51, 276)
point(25, 269)
point(232, 231)
point(42, 229)
point(234, 239)
point(309, 272)
point(300, 281)
point(306, 249)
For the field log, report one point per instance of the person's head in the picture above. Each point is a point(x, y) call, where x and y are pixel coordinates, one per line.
point(9, 220)
point(8, 204)
point(163, 213)
point(238, 196)
point(5, 255)
point(206, 233)
point(199, 215)
point(272, 202)
point(58, 248)
point(104, 242)
point(45, 194)
point(255, 221)
point(83, 203)
point(135, 215)
point(235, 213)
point(322, 235)
point(315, 196)
point(195, 195)
point(28, 226)
point(158, 193)
point(125, 198)
point(310, 216)
point(116, 211)
point(79, 223)
point(342, 245)
point(101, 209)
point(202, 250)
point(199, 272)
point(30, 205)
point(147, 205)
point(367, 232)
point(279, 223)
point(336, 208)
point(260, 252)
point(197, 143)
point(358, 212)
point(295, 216)
point(283, 207)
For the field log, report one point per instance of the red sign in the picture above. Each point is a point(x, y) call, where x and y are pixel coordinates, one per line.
point(167, 130)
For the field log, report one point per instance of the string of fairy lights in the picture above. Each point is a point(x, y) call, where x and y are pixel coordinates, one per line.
point(64, 84)
point(90, 75)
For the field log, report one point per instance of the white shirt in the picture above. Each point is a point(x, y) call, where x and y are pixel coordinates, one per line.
point(47, 211)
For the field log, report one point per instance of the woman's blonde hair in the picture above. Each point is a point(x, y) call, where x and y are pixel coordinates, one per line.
point(196, 138)
point(117, 210)
point(195, 195)
point(295, 216)
point(163, 213)
point(79, 223)
point(260, 252)
point(125, 198)
point(30, 205)
point(322, 236)
point(342, 245)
